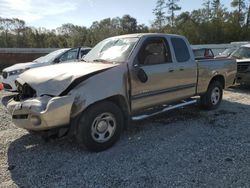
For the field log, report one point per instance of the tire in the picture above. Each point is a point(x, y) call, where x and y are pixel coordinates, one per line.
point(100, 126)
point(213, 97)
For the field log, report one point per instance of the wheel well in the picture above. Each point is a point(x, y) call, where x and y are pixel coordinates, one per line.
point(120, 101)
point(219, 78)
point(122, 104)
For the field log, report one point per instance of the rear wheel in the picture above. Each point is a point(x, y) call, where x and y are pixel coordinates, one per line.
point(213, 97)
point(100, 126)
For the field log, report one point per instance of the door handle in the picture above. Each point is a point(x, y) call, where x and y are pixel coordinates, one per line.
point(170, 70)
point(181, 69)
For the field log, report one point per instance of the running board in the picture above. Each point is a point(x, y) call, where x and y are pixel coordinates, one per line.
point(168, 108)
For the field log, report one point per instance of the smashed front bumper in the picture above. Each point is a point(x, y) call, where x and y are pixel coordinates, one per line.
point(42, 113)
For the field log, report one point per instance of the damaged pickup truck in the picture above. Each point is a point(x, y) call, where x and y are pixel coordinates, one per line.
point(123, 78)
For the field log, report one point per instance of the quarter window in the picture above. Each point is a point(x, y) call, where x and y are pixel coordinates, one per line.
point(180, 49)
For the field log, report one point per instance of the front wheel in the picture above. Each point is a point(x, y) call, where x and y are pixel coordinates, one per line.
point(213, 97)
point(100, 126)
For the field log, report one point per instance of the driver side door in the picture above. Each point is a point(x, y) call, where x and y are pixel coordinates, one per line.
point(155, 59)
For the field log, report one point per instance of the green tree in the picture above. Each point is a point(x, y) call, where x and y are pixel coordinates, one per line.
point(187, 26)
point(159, 12)
point(142, 28)
point(6, 26)
point(18, 29)
point(248, 17)
point(172, 6)
point(240, 6)
point(216, 7)
point(207, 7)
point(128, 24)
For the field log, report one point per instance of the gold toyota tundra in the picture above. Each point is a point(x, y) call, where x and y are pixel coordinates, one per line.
point(123, 78)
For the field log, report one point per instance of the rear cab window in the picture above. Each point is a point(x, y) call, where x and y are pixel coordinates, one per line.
point(180, 49)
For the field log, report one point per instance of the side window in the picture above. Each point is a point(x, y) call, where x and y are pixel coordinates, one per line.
point(84, 52)
point(210, 53)
point(180, 49)
point(154, 51)
point(69, 55)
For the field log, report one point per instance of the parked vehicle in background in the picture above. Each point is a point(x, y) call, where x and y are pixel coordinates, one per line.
point(242, 56)
point(226, 53)
point(11, 73)
point(125, 77)
point(203, 53)
point(240, 43)
point(1, 86)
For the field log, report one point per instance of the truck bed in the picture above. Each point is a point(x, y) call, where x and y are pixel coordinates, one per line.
point(226, 67)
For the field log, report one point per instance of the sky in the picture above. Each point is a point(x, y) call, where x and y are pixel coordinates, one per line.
point(53, 13)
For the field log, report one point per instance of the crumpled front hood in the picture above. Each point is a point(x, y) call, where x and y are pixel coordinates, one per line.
point(54, 79)
point(22, 66)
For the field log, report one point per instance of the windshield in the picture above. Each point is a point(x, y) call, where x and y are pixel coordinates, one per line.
point(242, 53)
point(228, 51)
point(50, 57)
point(111, 50)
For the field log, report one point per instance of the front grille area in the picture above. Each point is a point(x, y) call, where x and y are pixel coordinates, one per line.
point(7, 86)
point(242, 67)
point(5, 75)
point(25, 91)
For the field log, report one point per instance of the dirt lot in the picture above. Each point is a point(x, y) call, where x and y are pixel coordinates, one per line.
point(183, 148)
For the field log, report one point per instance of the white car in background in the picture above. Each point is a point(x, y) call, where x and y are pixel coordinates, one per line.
point(226, 53)
point(242, 56)
point(10, 74)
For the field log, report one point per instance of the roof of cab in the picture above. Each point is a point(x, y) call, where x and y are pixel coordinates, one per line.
point(144, 34)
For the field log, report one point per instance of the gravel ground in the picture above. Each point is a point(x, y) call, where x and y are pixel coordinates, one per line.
point(183, 148)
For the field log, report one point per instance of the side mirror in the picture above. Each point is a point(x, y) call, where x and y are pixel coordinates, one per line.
point(141, 74)
point(57, 60)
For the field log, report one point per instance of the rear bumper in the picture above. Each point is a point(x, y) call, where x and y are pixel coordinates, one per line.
point(243, 78)
point(38, 114)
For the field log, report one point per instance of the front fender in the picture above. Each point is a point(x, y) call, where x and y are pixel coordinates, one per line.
point(113, 82)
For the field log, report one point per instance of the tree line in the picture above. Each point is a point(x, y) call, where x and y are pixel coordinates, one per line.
point(212, 23)
point(15, 33)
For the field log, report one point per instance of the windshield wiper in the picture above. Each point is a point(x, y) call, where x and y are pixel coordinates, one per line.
point(104, 61)
point(100, 60)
